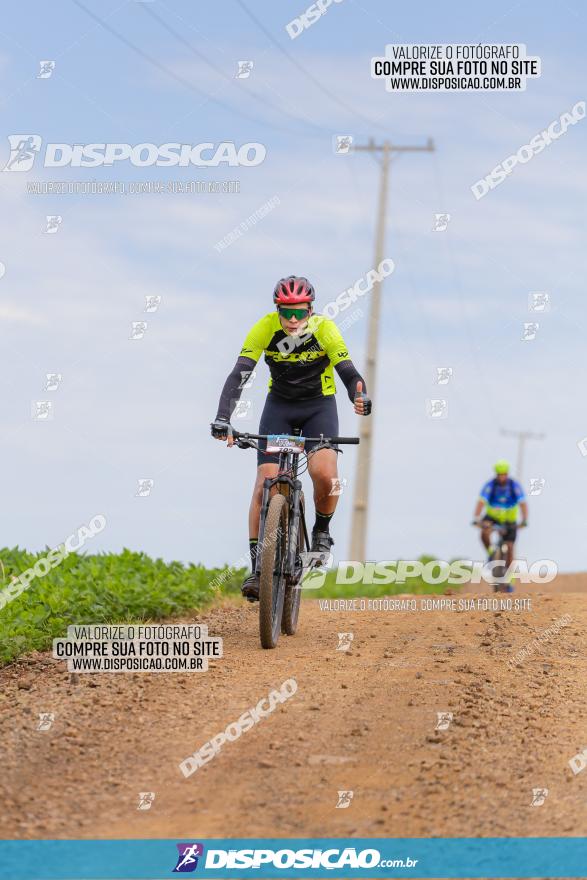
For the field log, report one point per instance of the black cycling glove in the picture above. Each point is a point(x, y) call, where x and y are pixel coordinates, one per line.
point(219, 428)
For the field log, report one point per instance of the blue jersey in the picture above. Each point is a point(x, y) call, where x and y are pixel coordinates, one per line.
point(502, 500)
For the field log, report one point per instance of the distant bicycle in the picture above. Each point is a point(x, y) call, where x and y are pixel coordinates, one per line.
point(283, 535)
point(497, 553)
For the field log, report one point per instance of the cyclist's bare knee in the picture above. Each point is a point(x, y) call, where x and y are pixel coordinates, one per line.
point(263, 472)
point(322, 466)
point(324, 475)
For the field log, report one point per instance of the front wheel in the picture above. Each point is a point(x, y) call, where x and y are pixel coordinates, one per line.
point(272, 580)
point(293, 590)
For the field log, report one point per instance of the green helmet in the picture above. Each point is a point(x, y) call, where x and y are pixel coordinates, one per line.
point(502, 466)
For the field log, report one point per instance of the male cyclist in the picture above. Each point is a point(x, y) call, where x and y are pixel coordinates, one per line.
point(501, 497)
point(302, 349)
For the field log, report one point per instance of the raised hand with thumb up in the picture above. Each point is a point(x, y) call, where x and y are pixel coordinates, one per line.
point(362, 402)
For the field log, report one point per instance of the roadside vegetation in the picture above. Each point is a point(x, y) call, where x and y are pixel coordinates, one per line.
point(122, 587)
point(129, 587)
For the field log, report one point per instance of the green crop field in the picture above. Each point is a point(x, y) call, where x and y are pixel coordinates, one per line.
point(128, 587)
point(107, 588)
point(332, 590)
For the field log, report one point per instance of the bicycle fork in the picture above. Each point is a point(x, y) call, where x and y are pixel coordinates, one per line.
point(295, 519)
point(294, 530)
point(268, 483)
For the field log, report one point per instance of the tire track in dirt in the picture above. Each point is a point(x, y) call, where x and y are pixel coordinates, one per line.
point(361, 721)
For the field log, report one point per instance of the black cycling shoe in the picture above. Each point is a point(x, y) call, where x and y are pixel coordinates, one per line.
point(321, 542)
point(250, 588)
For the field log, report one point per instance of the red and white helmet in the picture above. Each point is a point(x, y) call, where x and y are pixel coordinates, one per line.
point(293, 290)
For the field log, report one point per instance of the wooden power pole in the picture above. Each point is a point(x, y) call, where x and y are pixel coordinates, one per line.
point(362, 477)
point(521, 436)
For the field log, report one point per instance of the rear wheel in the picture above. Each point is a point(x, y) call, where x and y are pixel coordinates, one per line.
point(272, 579)
point(499, 570)
point(293, 593)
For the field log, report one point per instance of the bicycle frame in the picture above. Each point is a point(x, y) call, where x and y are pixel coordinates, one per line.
point(279, 562)
point(288, 464)
point(497, 538)
point(289, 485)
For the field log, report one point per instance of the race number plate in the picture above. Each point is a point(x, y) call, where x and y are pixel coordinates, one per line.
point(285, 443)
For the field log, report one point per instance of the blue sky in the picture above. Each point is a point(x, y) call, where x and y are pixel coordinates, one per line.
point(129, 409)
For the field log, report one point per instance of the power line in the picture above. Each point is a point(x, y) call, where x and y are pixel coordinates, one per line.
point(307, 73)
point(458, 288)
point(161, 67)
point(199, 54)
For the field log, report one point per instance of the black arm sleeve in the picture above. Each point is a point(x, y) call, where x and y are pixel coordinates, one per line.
point(350, 376)
point(234, 386)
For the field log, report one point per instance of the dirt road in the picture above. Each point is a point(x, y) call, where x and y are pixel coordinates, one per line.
point(361, 721)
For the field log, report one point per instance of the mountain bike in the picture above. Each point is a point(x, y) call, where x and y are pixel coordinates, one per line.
point(283, 554)
point(497, 555)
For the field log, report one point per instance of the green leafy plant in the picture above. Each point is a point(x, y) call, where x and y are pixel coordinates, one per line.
point(107, 588)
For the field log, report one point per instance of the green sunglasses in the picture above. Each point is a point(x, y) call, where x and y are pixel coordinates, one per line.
point(288, 313)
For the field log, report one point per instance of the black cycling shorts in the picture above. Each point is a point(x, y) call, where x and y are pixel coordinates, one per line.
point(280, 416)
point(510, 528)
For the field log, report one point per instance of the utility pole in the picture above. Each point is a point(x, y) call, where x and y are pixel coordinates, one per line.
point(361, 491)
point(522, 437)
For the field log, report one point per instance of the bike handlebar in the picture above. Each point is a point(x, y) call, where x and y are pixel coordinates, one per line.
point(341, 440)
point(322, 439)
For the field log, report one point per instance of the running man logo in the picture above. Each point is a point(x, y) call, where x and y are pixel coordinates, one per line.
point(244, 69)
point(314, 568)
point(539, 302)
point(138, 329)
point(53, 222)
point(152, 303)
point(441, 222)
point(146, 799)
point(443, 720)
point(345, 641)
point(443, 375)
point(53, 381)
point(46, 71)
point(437, 408)
point(338, 485)
point(539, 795)
point(530, 330)
point(23, 151)
point(343, 144)
point(247, 378)
point(344, 799)
point(187, 860)
point(42, 410)
point(241, 410)
point(537, 484)
point(46, 719)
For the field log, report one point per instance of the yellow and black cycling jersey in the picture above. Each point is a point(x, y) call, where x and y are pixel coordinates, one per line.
point(301, 367)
